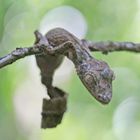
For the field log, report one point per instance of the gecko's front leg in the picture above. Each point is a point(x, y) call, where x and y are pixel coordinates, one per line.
point(61, 49)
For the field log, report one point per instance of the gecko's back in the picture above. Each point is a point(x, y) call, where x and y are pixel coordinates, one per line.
point(58, 36)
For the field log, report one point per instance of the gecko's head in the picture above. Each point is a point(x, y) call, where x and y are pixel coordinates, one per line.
point(97, 77)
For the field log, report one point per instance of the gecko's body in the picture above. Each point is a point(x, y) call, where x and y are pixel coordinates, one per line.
point(49, 63)
point(94, 74)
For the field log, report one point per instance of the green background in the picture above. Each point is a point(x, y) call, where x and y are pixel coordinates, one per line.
point(86, 119)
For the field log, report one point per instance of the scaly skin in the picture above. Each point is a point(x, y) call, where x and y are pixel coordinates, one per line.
point(94, 74)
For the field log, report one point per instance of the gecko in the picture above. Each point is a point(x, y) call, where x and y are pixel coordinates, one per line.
point(95, 75)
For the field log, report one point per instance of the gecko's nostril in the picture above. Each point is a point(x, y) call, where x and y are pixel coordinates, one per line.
point(104, 98)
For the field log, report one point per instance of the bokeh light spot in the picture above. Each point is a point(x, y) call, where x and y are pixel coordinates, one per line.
point(66, 17)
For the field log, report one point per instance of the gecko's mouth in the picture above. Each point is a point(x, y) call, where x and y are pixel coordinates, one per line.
point(104, 98)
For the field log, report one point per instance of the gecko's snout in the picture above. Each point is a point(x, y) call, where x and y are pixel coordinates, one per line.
point(104, 98)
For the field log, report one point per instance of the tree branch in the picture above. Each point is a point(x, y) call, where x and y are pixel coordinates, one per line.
point(18, 54)
point(104, 47)
point(110, 46)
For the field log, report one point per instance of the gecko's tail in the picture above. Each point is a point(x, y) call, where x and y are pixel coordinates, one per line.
point(54, 108)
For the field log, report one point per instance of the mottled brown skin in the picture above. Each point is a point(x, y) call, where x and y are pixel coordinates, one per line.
point(97, 78)
point(94, 74)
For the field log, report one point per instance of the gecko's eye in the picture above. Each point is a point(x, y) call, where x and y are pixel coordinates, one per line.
point(89, 79)
point(107, 74)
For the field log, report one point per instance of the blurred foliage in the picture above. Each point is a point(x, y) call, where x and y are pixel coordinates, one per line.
point(85, 119)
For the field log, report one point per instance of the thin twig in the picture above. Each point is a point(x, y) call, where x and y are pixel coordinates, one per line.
point(109, 46)
point(18, 54)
